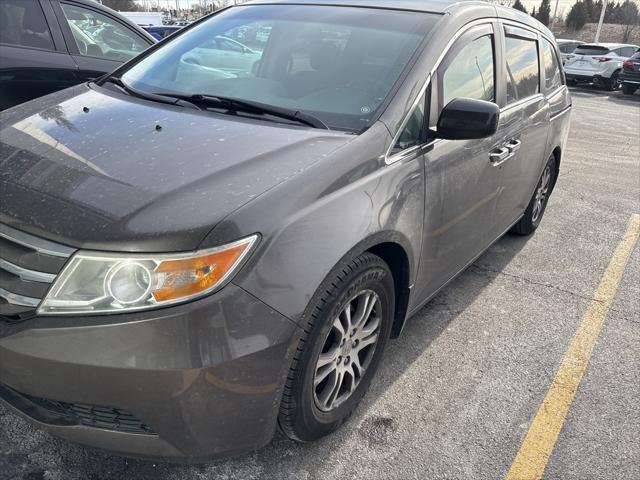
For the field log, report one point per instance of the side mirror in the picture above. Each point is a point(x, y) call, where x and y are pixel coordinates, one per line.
point(467, 119)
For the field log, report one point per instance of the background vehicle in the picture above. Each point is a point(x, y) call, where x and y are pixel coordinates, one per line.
point(567, 47)
point(48, 45)
point(160, 32)
point(598, 63)
point(222, 54)
point(199, 258)
point(630, 74)
point(143, 18)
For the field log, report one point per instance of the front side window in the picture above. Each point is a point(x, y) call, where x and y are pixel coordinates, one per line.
point(98, 35)
point(23, 23)
point(523, 71)
point(552, 76)
point(336, 63)
point(471, 72)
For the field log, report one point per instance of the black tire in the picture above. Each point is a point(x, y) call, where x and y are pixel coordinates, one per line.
point(612, 83)
point(629, 89)
point(301, 418)
point(532, 217)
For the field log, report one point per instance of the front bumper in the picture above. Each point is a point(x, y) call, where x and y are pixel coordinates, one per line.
point(205, 378)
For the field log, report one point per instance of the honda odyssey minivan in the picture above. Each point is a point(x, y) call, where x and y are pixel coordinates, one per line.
point(193, 256)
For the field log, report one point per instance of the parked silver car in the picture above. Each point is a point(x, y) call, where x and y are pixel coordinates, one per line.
point(567, 47)
point(598, 63)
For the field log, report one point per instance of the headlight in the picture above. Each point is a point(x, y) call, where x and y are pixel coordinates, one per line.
point(95, 282)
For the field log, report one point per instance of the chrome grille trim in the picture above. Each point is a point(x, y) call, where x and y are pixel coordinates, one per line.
point(37, 244)
point(27, 268)
point(25, 273)
point(21, 300)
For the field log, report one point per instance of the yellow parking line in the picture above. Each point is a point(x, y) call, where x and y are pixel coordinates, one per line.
point(537, 446)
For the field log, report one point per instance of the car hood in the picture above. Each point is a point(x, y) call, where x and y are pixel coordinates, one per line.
point(97, 170)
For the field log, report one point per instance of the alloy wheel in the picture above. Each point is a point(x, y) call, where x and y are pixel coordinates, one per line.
point(542, 193)
point(347, 350)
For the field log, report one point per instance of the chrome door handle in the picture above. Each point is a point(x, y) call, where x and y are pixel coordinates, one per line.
point(500, 156)
point(513, 145)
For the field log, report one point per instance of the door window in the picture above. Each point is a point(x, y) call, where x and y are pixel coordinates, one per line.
point(523, 70)
point(100, 36)
point(552, 76)
point(470, 73)
point(23, 23)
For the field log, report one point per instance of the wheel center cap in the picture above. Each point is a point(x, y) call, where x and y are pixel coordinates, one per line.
point(346, 349)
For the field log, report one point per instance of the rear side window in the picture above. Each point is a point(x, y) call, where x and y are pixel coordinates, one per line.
point(568, 47)
point(470, 73)
point(523, 71)
point(552, 76)
point(23, 23)
point(591, 50)
point(627, 51)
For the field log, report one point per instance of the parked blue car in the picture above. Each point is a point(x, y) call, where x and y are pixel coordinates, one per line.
point(160, 32)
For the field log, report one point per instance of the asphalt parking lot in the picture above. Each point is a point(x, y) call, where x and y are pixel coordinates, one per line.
point(458, 391)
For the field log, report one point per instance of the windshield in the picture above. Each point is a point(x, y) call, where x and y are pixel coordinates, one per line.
point(336, 63)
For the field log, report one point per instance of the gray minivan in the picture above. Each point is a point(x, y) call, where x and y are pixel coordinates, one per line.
point(193, 252)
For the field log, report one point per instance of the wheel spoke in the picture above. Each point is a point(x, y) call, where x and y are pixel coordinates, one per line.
point(371, 339)
point(333, 395)
point(324, 396)
point(366, 303)
point(327, 357)
point(347, 316)
point(337, 324)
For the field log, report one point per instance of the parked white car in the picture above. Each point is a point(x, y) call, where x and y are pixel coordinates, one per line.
point(598, 63)
point(567, 47)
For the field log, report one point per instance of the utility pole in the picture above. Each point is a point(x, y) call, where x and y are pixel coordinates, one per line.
point(604, 7)
point(555, 12)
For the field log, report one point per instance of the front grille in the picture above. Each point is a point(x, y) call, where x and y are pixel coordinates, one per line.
point(107, 418)
point(28, 266)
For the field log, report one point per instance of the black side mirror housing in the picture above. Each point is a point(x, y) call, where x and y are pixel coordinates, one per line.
point(467, 119)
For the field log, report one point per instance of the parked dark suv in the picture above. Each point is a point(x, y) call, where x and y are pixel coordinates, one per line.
point(198, 248)
point(630, 74)
point(48, 45)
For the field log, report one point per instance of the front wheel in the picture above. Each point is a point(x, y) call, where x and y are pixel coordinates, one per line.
point(340, 350)
point(629, 89)
point(538, 204)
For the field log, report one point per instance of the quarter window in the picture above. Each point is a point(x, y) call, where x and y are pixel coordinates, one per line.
point(98, 35)
point(413, 132)
point(471, 72)
point(23, 23)
point(523, 71)
point(552, 76)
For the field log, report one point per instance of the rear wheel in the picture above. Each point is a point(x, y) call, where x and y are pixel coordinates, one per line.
point(340, 351)
point(613, 83)
point(629, 89)
point(538, 204)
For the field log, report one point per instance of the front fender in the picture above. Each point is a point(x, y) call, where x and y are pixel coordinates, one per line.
point(335, 210)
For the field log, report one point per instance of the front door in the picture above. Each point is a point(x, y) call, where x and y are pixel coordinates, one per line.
point(462, 176)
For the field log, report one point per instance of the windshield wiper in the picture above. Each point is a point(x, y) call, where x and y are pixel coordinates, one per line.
point(236, 105)
point(117, 81)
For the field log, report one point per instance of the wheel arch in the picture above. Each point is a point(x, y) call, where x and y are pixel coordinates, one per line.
point(557, 154)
